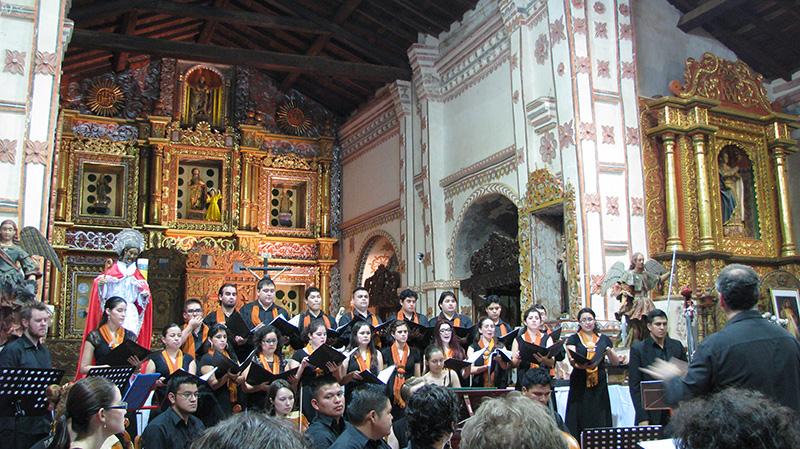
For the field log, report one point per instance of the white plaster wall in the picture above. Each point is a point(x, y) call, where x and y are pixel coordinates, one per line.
point(371, 180)
point(662, 48)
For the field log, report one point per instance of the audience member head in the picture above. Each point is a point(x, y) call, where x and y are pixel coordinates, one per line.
point(733, 419)
point(448, 303)
point(408, 301)
point(360, 300)
point(227, 294)
point(265, 292)
point(267, 339)
point(512, 421)
point(434, 357)
point(114, 311)
point(738, 287)
point(251, 430)
point(35, 319)
point(587, 320)
point(182, 394)
point(411, 385)
point(370, 411)
point(327, 397)
point(432, 413)
point(492, 307)
point(93, 409)
point(280, 398)
point(313, 299)
point(537, 385)
point(315, 333)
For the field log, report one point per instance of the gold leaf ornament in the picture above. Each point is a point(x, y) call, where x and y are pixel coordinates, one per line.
point(105, 98)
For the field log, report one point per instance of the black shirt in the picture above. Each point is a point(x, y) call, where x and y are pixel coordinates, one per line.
point(323, 431)
point(352, 438)
point(168, 430)
point(749, 352)
point(23, 353)
point(643, 354)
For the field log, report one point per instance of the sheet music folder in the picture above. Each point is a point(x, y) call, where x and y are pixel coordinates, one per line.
point(653, 395)
point(23, 392)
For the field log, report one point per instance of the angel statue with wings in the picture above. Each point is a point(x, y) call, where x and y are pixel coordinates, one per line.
point(632, 287)
point(19, 272)
point(124, 279)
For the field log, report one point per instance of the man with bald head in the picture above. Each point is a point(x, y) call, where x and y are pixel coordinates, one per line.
point(749, 352)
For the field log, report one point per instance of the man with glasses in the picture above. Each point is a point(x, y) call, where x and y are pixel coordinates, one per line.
point(657, 345)
point(194, 337)
point(538, 385)
point(177, 427)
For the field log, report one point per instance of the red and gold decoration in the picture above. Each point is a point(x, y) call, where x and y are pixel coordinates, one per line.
point(105, 98)
point(292, 119)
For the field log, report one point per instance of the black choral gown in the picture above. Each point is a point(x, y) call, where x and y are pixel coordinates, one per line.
point(588, 408)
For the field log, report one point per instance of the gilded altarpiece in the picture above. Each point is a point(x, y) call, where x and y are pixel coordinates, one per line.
point(716, 188)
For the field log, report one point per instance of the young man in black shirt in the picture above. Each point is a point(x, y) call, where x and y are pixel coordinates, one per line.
point(27, 351)
point(327, 398)
point(538, 385)
point(177, 427)
point(370, 415)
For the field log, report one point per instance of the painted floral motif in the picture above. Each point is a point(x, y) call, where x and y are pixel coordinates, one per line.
point(612, 205)
point(515, 97)
point(599, 7)
point(560, 69)
point(631, 135)
point(608, 134)
point(577, 4)
point(427, 229)
point(579, 25)
point(35, 152)
point(592, 201)
point(603, 70)
point(601, 30)
point(448, 212)
point(540, 52)
point(547, 149)
point(44, 63)
point(423, 122)
point(557, 31)
point(566, 133)
point(583, 64)
point(8, 150)
point(624, 9)
point(626, 31)
point(586, 131)
point(15, 62)
point(514, 61)
point(597, 282)
point(637, 206)
point(628, 70)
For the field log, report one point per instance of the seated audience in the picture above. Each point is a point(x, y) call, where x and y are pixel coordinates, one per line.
point(177, 426)
point(327, 399)
point(538, 385)
point(512, 421)
point(370, 420)
point(735, 419)
point(94, 411)
point(432, 417)
point(280, 404)
point(251, 430)
point(399, 437)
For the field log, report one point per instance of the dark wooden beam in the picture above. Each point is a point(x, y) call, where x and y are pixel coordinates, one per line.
point(321, 41)
point(101, 9)
point(705, 12)
point(753, 56)
point(211, 24)
point(434, 26)
point(120, 60)
point(267, 60)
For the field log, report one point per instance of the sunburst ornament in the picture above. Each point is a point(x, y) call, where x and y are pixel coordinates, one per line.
point(293, 119)
point(105, 97)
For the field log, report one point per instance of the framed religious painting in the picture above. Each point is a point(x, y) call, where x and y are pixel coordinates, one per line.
point(787, 307)
point(288, 189)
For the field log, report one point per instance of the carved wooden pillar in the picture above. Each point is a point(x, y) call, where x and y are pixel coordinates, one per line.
point(703, 196)
point(788, 247)
point(255, 178)
point(671, 193)
point(245, 206)
point(155, 184)
point(62, 203)
point(326, 261)
point(326, 157)
point(144, 183)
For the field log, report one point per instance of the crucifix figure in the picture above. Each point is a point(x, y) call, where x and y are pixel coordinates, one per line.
point(238, 267)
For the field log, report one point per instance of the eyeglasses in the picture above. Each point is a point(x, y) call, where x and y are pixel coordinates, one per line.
point(270, 341)
point(587, 320)
point(188, 395)
point(445, 330)
point(121, 406)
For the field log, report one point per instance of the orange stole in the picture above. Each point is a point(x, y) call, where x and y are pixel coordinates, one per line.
point(178, 360)
point(401, 316)
point(275, 367)
point(363, 363)
point(307, 320)
point(592, 376)
point(114, 339)
point(254, 314)
point(488, 377)
point(232, 386)
point(189, 344)
point(399, 358)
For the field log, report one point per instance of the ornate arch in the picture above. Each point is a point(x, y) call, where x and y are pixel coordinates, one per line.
point(367, 245)
point(494, 188)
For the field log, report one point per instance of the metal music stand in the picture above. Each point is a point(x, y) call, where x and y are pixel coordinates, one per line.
point(618, 437)
point(23, 391)
point(118, 375)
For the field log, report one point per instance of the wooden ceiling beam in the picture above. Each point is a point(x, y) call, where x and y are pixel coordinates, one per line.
point(211, 24)
point(753, 56)
point(102, 9)
point(119, 61)
point(705, 12)
point(162, 25)
point(321, 41)
point(434, 26)
point(408, 34)
point(267, 60)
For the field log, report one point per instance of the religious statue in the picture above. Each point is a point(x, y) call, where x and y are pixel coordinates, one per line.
point(18, 273)
point(103, 200)
point(197, 195)
point(732, 192)
point(285, 204)
point(382, 287)
point(213, 212)
point(632, 287)
point(200, 101)
point(124, 279)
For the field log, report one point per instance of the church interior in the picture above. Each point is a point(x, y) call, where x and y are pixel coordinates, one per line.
point(518, 148)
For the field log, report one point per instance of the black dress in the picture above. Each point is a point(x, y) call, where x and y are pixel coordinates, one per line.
point(412, 359)
point(219, 403)
point(101, 346)
point(161, 367)
point(257, 400)
point(478, 379)
point(588, 408)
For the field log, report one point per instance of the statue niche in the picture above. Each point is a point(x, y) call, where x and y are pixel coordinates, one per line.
point(203, 97)
point(737, 194)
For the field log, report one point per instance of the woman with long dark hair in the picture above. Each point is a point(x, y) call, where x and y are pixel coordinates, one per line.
point(267, 341)
point(94, 411)
point(226, 385)
point(108, 335)
point(168, 361)
point(588, 404)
